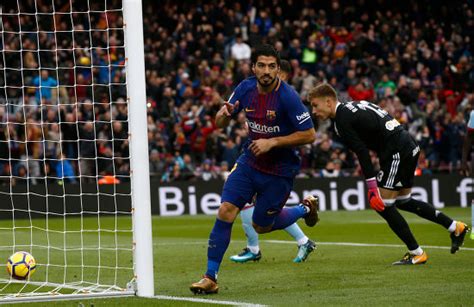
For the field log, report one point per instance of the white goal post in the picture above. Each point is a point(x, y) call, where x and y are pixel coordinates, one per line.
point(142, 232)
point(74, 172)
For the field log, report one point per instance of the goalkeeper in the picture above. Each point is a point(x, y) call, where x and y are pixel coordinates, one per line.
point(252, 251)
point(364, 126)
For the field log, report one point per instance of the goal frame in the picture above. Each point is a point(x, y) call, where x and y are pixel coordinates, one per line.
point(142, 284)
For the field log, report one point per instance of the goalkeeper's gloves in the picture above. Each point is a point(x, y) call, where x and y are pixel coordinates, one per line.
point(374, 197)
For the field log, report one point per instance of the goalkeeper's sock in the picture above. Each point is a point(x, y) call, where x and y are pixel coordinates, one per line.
point(295, 231)
point(288, 216)
point(417, 252)
point(452, 227)
point(425, 211)
point(399, 226)
point(219, 240)
point(252, 235)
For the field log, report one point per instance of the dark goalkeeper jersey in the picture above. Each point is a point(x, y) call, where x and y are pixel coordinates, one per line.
point(364, 126)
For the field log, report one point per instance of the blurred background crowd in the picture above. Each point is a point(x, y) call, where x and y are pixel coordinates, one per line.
point(412, 58)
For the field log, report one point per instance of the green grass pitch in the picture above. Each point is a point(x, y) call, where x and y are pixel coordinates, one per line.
point(333, 275)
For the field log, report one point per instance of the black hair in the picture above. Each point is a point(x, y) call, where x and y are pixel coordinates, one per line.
point(285, 66)
point(265, 50)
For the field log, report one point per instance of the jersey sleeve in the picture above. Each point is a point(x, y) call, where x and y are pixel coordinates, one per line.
point(297, 112)
point(345, 126)
point(237, 95)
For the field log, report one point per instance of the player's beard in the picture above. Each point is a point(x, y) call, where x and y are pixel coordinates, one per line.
point(266, 85)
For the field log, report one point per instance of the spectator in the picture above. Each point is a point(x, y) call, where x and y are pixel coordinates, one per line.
point(45, 87)
point(189, 73)
point(240, 51)
point(65, 170)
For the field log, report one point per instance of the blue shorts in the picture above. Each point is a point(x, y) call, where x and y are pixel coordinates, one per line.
point(271, 192)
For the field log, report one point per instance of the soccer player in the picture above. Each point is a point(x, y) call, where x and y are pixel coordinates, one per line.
point(364, 126)
point(252, 251)
point(467, 145)
point(278, 122)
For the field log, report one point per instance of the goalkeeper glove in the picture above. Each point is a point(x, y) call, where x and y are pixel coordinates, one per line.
point(374, 197)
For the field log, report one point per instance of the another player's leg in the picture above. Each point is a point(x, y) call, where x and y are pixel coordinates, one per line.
point(308, 210)
point(457, 229)
point(252, 251)
point(270, 213)
point(285, 217)
point(305, 245)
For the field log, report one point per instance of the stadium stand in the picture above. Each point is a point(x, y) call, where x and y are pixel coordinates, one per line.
point(416, 63)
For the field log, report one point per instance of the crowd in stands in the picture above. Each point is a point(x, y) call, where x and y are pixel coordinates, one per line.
point(414, 60)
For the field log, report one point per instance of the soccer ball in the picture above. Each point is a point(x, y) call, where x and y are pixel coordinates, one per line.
point(21, 265)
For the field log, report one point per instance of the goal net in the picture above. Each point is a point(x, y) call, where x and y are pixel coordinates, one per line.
point(66, 190)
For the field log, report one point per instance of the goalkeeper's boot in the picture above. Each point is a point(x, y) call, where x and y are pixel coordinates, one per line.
point(246, 255)
point(312, 217)
point(304, 250)
point(457, 236)
point(412, 259)
point(206, 285)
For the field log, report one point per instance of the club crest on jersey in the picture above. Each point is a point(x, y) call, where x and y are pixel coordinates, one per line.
point(271, 114)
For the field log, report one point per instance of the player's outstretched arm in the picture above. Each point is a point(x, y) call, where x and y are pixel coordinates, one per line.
point(224, 115)
point(298, 138)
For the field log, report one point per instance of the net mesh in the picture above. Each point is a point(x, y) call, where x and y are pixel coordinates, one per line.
point(64, 161)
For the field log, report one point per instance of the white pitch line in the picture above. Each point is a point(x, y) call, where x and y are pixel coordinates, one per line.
point(366, 244)
point(197, 242)
point(203, 300)
point(355, 244)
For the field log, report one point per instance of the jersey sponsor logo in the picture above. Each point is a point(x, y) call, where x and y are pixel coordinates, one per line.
point(391, 124)
point(399, 185)
point(248, 110)
point(303, 117)
point(259, 128)
point(271, 114)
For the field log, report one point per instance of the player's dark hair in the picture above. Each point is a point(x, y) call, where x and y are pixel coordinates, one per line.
point(322, 90)
point(265, 50)
point(285, 66)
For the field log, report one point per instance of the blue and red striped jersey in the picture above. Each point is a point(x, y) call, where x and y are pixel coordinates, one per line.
point(278, 113)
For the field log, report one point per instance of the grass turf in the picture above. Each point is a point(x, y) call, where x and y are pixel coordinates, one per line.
point(332, 275)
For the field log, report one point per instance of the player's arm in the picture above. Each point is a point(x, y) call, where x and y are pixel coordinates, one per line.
point(230, 107)
point(355, 143)
point(294, 139)
point(224, 115)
